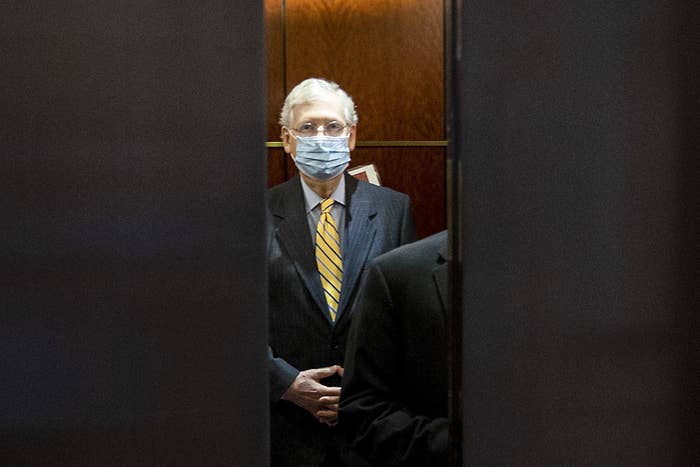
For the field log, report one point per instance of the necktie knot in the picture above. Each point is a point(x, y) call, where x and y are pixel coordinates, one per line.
point(326, 205)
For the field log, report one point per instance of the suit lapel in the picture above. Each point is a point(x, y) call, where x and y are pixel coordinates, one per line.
point(440, 278)
point(292, 231)
point(360, 230)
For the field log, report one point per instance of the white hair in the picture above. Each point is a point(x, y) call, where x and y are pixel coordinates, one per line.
point(313, 90)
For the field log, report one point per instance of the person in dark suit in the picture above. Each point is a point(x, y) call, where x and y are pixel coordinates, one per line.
point(325, 227)
point(393, 404)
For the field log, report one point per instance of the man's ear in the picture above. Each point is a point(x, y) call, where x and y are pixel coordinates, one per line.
point(352, 138)
point(286, 138)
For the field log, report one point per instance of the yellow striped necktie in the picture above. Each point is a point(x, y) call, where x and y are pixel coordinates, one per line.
point(328, 258)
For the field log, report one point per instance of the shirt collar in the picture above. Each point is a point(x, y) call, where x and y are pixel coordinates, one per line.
point(312, 199)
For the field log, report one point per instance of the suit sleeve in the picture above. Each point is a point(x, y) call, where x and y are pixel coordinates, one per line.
point(282, 374)
point(408, 226)
point(375, 419)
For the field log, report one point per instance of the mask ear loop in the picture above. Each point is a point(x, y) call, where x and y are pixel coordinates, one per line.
point(289, 132)
point(295, 136)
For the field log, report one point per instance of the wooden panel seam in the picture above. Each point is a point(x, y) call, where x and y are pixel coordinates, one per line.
point(437, 143)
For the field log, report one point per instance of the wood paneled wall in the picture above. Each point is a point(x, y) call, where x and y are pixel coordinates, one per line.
point(388, 55)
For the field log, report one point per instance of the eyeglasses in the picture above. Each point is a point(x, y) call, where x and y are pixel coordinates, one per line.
point(329, 129)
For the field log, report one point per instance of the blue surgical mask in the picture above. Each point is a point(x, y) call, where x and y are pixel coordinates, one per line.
point(322, 157)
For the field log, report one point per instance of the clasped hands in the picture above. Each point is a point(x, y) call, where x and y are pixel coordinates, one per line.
point(308, 393)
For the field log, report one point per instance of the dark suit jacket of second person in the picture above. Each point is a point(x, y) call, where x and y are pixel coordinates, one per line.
point(377, 219)
point(393, 406)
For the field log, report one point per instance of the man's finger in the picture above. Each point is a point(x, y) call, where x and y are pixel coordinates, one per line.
point(322, 391)
point(320, 373)
point(329, 400)
point(326, 415)
point(330, 391)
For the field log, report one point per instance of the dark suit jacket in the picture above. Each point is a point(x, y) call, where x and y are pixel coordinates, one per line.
point(302, 336)
point(393, 408)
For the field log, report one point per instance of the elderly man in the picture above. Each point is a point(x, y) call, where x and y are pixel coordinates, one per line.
point(325, 227)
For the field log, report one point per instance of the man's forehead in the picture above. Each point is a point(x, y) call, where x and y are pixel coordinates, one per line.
point(321, 109)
